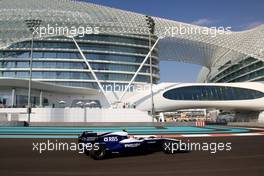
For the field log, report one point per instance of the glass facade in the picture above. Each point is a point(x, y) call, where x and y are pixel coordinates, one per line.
point(57, 60)
point(212, 93)
point(249, 69)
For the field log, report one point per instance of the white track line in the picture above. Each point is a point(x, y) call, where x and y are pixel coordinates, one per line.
point(196, 135)
point(260, 129)
point(248, 134)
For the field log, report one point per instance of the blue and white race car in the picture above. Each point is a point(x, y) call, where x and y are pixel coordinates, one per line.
point(102, 145)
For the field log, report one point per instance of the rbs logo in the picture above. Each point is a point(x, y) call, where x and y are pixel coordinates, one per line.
point(110, 139)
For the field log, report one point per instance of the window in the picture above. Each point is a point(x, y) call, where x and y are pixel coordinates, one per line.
point(212, 93)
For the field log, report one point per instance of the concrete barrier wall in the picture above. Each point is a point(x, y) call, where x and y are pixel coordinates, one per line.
point(75, 115)
point(113, 124)
point(12, 124)
point(246, 124)
point(261, 117)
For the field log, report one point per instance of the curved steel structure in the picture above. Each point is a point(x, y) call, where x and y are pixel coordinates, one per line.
point(207, 50)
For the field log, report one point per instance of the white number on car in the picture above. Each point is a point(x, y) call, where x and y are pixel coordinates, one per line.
point(110, 139)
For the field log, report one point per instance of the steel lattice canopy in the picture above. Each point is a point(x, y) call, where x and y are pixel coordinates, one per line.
point(202, 49)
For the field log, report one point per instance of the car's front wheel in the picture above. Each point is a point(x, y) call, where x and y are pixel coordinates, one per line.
point(98, 153)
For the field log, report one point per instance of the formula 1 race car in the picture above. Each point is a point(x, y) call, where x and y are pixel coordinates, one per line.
point(102, 145)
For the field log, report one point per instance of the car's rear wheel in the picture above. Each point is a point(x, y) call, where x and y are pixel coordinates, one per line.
point(98, 153)
point(87, 152)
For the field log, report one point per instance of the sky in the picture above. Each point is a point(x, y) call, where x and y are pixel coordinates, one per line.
point(238, 14)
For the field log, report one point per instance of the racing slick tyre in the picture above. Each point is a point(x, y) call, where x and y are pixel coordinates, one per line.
point(98, 153)
point(87, 152)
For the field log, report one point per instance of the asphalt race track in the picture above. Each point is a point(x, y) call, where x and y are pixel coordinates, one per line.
point(245, 159)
